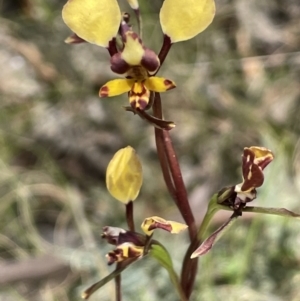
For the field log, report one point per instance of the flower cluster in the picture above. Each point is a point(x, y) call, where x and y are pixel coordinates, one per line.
point(133, 245)
point(100, 22)
point(123, 180)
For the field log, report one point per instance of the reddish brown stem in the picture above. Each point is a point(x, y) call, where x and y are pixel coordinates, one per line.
point(159, 139)
point(173, 178)
point(165, 48)
point(181, 198)
point(189, 269)
point(129, 216)
point(181, 192)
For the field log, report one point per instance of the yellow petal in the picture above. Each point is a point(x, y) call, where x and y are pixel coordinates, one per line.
point(133, 51)
point(95, 21)
point(159, 84)
point(262, 155)
point(156, 222)
point(116, 87)
point(124, 175)
point(183, 19)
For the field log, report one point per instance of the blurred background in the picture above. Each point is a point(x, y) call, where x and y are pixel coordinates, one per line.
point(237, 86)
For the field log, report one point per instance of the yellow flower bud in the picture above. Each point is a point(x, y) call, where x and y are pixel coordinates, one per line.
point(124, 175)
point(183, 19)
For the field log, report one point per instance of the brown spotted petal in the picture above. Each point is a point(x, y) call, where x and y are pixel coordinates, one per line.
point(139, 96)
point(124, 251)
point(155, 222)
point(255, 159)
point(159, 84)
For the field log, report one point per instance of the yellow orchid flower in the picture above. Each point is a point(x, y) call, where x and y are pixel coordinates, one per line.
point(124, 251)
point(138, 63)
point(156, 222)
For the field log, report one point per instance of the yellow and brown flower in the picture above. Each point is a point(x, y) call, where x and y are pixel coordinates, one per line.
point(254, 160)
point(156, 222)
point(137, 63)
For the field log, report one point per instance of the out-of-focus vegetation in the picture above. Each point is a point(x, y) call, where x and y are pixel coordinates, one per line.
point(237, 85)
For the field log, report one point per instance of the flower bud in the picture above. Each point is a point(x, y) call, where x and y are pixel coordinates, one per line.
point(124, 175)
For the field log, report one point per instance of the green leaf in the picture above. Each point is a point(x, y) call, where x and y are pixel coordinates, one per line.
point(273, 211)
point(208, 243)
point(159, 252)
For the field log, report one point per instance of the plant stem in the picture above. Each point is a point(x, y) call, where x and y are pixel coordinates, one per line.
point(174, 181)
point(159, 139)
point(118, 286)
point(179, 192)
point(188, 262)
point(165, 48)
point(129, 216)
